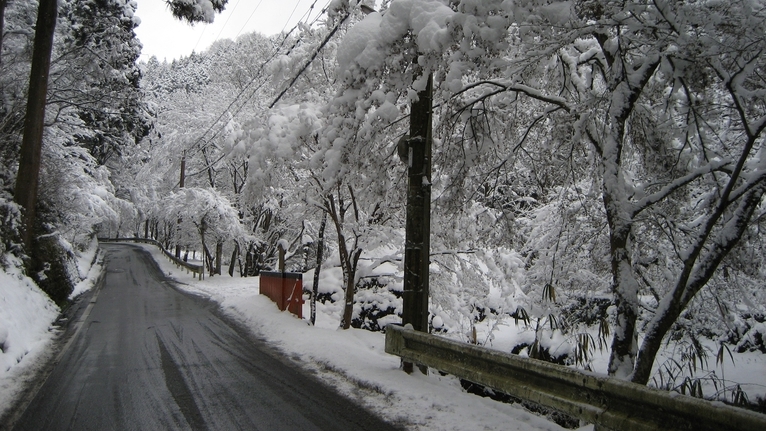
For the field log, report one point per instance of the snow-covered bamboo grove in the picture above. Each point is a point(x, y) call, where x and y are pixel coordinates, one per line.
point(598, 168)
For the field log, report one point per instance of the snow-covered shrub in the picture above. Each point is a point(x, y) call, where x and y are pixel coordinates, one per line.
point(589, 310)
point(754, 339)
point(54, 267)
point(330, 289)
point(378, 302)
point(10, 222)
point(546, 350)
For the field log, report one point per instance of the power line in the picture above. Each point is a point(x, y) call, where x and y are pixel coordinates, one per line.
point(321, 12)
point(291, 14)
point(204, 29)
point(248, 19)
point(242, 92)
point(199, 38)
point(313, 56)
point(258, 74)
point(307, 15)
point(227, 20)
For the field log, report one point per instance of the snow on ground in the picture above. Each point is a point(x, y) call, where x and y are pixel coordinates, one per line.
point(26, 324)
point(87, 269)
point(358, 355)
point(26, 313)
point(354, 361)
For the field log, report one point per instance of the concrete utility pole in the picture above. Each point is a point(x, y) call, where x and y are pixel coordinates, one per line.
point(418, 226)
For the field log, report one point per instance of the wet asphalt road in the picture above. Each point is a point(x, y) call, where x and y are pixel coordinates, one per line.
point(151, 358)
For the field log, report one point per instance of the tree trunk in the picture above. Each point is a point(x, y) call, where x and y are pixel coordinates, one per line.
point(620, 217)
point(349, 280)
point(210, 172)
point(205, 253)
point(207, 260)
point(348, 264)
point(620, 221)
point(27, 178)
point(178, 239)
point(625, 290)
point(699, 273)
point(348, 259)
point(218, 256)
point(317, 270)
point(2, 26)
point(234, 255)
point(248, 260)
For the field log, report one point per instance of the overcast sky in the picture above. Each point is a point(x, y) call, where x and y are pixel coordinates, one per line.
point(167, 38)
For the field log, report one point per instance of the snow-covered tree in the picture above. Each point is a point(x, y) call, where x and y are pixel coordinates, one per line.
point(27, 179)
point(383, 61)
point(209, 214)
point(657, 102)
point(665, 97)
point(94, 73)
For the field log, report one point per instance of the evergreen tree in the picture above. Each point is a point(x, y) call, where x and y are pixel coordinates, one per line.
point(97, 74)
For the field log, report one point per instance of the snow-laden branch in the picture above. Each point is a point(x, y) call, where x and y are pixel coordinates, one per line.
point(676, 184)
point(518, 88)
point(695, 275)
point(310, 60)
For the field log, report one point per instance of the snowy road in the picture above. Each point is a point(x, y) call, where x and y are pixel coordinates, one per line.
point(148, 357)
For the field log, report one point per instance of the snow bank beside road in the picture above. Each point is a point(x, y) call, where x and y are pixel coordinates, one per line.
point(26, 318)
point(25, 315)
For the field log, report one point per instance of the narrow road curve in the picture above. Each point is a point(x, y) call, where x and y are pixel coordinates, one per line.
point(151, 358)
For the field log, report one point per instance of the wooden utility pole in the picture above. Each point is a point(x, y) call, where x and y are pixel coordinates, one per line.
point(27, 178)
point(180, 186)
point(418, 226)
point(183, 171)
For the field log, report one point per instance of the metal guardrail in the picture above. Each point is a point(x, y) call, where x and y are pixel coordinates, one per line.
point(608, 402)
point(197, 270)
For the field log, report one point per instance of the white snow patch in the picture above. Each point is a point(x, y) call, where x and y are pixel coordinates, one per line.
point(26, 313)
point(26, 318)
